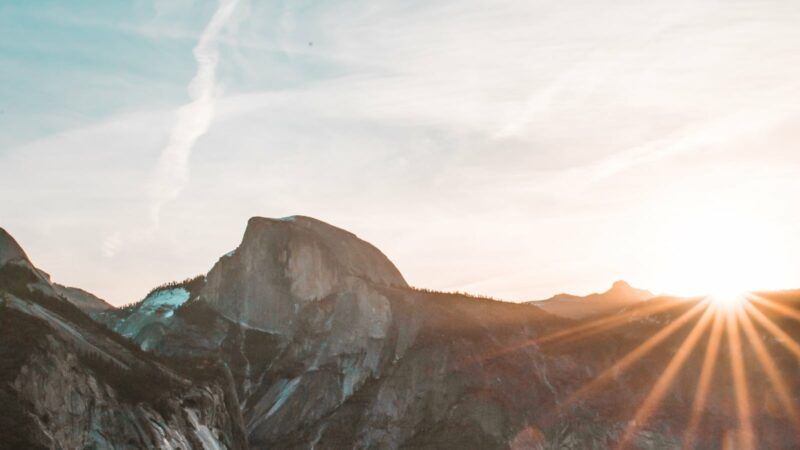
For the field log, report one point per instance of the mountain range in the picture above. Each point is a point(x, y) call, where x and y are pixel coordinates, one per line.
point(305, 336)
point(620, 296)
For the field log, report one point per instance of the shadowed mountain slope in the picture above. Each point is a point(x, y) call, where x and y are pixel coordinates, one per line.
point(68, 382)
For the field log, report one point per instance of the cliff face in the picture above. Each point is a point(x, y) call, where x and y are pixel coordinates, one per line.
point(10, 249)
point(68, 382)
point(12, 254)
point(75, 406)
point(285, 264)
point(313, 296)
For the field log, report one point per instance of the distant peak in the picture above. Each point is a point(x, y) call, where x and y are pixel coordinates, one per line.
point(10, 250)
point(620, 284)
point(623, 289)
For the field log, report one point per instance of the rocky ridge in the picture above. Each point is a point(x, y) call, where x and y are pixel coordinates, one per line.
point(68, 382)
point(620, 295)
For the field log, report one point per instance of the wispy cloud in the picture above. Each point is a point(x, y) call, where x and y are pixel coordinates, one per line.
point(194, 118)
point(512, 151)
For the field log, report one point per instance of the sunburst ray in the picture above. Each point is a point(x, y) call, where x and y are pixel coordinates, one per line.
point(706, 375)
point(579, 331)
point(643, 349)
point(777, 307)
point(606, 323)
point(783, 338)
point(768, 364)
point(660, 388)
point(745, 433)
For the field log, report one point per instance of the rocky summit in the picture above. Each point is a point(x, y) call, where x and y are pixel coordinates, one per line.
point(294, 262)
point(305, 336)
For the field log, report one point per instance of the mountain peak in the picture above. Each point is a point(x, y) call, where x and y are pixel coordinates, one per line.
point(621, 289)
point(283, 264)
point(296, 220)
point(350, 254)
point(10, 250)
point(620, 295)
point(620, 284)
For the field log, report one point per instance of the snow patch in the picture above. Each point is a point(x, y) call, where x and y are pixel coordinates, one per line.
point(168, 297)
point(159, 306)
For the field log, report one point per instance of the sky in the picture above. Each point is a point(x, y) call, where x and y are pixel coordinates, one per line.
point(514, 148)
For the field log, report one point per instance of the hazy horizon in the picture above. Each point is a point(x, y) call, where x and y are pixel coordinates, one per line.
point(519, 152)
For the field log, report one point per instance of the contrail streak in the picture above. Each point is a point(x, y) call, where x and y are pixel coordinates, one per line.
point(193, 118)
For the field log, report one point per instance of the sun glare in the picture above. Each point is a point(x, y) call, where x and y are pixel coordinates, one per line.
point(728, 299)
point(720, 248)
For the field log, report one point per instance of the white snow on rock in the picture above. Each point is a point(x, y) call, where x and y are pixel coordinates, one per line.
point(169, 297)
point(157, 307)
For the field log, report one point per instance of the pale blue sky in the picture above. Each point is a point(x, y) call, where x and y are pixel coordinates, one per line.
point(510, 148)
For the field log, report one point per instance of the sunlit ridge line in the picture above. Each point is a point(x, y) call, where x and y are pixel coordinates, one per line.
point(665, 380)
point(787, 341)
point(600, 328)
point(745, 432)
point(634, 355)
point(771, 369)
point(587, 329)
point(777, 307)
point(706, 374)
point(602, 324)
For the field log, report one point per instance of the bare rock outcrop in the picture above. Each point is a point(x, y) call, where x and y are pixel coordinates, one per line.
point(68, 382)
point(282, 265)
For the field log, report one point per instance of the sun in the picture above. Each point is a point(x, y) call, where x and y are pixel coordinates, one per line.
point(728, 299)
point(721, 250)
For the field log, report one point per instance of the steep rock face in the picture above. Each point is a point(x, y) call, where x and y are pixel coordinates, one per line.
point(296, 311)
point(446, 382)
point(283, 265)
point(12, 253)
point(10, 249)
point(83, 411)
point(314, 290)
point(354, 339)
point(68, 382)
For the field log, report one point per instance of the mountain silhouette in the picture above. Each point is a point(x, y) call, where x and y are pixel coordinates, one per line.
point(619, 296)
point(306, 336)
